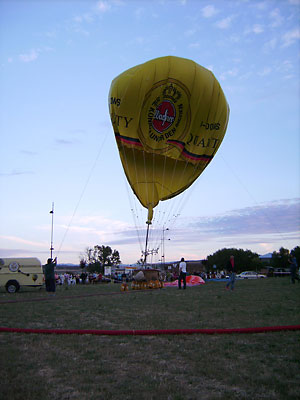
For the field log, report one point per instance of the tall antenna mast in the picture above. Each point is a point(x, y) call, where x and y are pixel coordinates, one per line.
point(51, 246)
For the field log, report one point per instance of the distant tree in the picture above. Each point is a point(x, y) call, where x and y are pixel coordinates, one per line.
point(244, 259)
point(99, 257)
point(280, 259)
point(87, 257)
point(115, 258)
point(82, 263)
point(296, 252)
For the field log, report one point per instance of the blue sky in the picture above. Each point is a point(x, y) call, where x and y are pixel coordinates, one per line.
point(57, 61)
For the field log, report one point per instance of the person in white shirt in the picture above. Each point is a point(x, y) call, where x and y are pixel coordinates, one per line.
point(182, 274)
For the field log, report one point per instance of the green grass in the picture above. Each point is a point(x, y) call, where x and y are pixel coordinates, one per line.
point(238, 366)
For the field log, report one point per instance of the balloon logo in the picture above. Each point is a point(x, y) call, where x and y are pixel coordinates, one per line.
point(164, 116)
point(169, 117)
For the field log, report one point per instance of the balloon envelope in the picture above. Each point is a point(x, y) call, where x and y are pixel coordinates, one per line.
point(169, 117)
point(191, 280)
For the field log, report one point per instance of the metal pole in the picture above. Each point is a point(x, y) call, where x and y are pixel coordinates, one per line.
point(51, 246)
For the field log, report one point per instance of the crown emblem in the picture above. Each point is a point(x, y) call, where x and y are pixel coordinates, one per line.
point(170, 92)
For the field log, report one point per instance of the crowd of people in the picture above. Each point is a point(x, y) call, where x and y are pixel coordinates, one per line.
point(76, 279)
point(52, 279)
point(89, 277)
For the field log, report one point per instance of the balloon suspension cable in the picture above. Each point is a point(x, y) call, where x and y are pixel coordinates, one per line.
point(146, 246)
point(51, 245)
point(149, 222)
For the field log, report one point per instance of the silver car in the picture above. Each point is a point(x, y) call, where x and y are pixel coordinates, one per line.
point(250, 275)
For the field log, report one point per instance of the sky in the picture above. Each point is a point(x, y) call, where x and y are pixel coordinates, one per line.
point(57, 61)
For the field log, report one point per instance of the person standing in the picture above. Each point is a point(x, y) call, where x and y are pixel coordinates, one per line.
point(293, 268)
point(231, 272)
point(50, 275)
point(182, 274)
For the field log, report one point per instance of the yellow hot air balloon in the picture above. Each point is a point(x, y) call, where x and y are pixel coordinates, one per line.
point(169, 117)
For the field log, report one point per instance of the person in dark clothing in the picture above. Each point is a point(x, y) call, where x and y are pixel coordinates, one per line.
point(293, 268)
point(182, 274)
point(50, 275)
point(83, 277)
point(231, 271)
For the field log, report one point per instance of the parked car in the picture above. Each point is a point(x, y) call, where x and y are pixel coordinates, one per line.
point(18, 272)
point(250, 275)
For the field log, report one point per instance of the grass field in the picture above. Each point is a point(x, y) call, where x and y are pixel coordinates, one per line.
point(236, 366)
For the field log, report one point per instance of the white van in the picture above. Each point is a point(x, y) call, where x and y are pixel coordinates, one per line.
point(17, 272)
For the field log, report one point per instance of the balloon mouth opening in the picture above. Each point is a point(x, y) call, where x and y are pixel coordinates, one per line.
point(150, 214)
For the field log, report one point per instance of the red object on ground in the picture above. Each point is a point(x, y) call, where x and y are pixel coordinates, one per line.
point(152, 332)
point(191, 280)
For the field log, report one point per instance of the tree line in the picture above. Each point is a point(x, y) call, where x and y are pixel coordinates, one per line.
point(99, 257)
point(248, 260)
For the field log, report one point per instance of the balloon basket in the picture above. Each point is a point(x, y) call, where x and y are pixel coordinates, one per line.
point(145, 285)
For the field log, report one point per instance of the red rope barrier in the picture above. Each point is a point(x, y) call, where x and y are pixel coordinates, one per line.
point(152, 332)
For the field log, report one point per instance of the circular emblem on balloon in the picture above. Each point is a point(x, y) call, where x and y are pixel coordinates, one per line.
point(165, 115)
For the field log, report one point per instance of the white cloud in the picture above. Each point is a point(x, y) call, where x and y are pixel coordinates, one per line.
point(209, 11)
point(87, 17)
point(91, 224)
point(139, 12)
point(287, 77)
point(234, 38)
point(190, 32)
point(29, 57)
point(230, 73)
point(275, 217)
point(15, 173)
point(257, 29)
point(19, 240)
point(287, 68)
point(270, 45)
point(287, 65)
point(103, 6)
point(266, 71)
point(268, 224)
point(81, 31)
point(51, 34)
point(276, 18)
point(195, 45)
point(64, 142)
point(261, 6)
point(224, 23)
point(290, 37)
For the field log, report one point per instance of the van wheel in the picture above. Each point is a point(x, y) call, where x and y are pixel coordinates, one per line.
point(12, 286)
